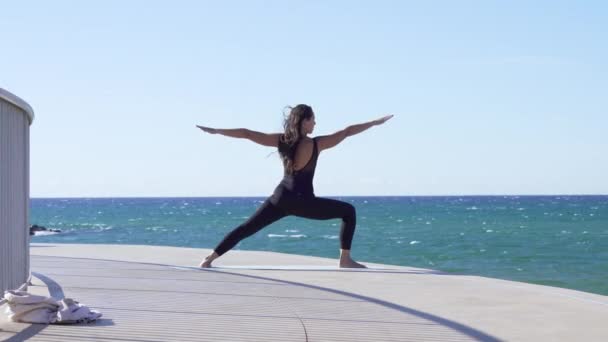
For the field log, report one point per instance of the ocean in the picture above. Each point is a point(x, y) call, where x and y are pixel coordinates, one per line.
point(550, 240)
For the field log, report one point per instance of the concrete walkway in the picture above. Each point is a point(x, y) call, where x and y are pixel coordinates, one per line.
point(158, 294)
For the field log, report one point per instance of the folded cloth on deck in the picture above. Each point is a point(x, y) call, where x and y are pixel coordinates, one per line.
point(29, 308)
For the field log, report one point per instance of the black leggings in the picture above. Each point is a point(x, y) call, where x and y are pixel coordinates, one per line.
point(313, 208)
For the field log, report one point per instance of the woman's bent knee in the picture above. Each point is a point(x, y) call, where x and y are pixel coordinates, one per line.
point(350, 211)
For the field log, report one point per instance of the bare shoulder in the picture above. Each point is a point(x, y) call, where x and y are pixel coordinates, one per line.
point(321, 142)
point(275, 138)
point(325, 142)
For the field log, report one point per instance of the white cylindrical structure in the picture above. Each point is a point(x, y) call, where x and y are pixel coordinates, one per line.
point(16, 117)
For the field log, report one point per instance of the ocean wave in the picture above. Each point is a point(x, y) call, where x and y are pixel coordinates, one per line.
point(45, 233)
point(286, 236)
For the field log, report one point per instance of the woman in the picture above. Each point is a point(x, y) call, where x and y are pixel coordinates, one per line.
point(295, 194)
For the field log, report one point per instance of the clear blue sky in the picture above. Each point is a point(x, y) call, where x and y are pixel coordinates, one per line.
point(489, 97)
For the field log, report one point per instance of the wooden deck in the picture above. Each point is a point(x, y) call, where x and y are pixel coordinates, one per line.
point(144, 299)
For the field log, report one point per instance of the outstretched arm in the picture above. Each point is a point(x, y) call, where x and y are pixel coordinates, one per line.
point(329, 141)
point(257, 137)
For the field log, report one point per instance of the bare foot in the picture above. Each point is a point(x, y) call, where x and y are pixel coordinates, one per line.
point(350, 263)
point(207, 262)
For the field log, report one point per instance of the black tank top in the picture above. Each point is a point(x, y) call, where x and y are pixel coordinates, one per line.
point(299, 183)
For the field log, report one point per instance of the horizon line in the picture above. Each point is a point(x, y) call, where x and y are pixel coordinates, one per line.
point(265, 196)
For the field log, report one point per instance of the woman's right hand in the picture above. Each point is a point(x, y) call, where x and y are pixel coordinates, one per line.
point(208, 129)
point(382, 120)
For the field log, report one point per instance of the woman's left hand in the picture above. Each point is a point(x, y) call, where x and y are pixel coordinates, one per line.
point(383, 120)
point(208, 129)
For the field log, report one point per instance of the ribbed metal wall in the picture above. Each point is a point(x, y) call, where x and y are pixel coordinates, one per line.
point(14, 195)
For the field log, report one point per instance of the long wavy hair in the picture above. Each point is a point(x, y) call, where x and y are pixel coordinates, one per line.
point(292, 136)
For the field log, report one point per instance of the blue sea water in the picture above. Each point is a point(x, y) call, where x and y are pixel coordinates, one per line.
point(551, 240)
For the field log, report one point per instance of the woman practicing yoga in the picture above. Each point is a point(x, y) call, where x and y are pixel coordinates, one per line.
point(295, 194)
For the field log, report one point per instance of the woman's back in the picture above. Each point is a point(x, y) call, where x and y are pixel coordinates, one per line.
point(300, 181)
point(304, 153)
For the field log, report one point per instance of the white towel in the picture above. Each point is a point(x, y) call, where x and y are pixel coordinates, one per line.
point(29, 308)
point(70, 311)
